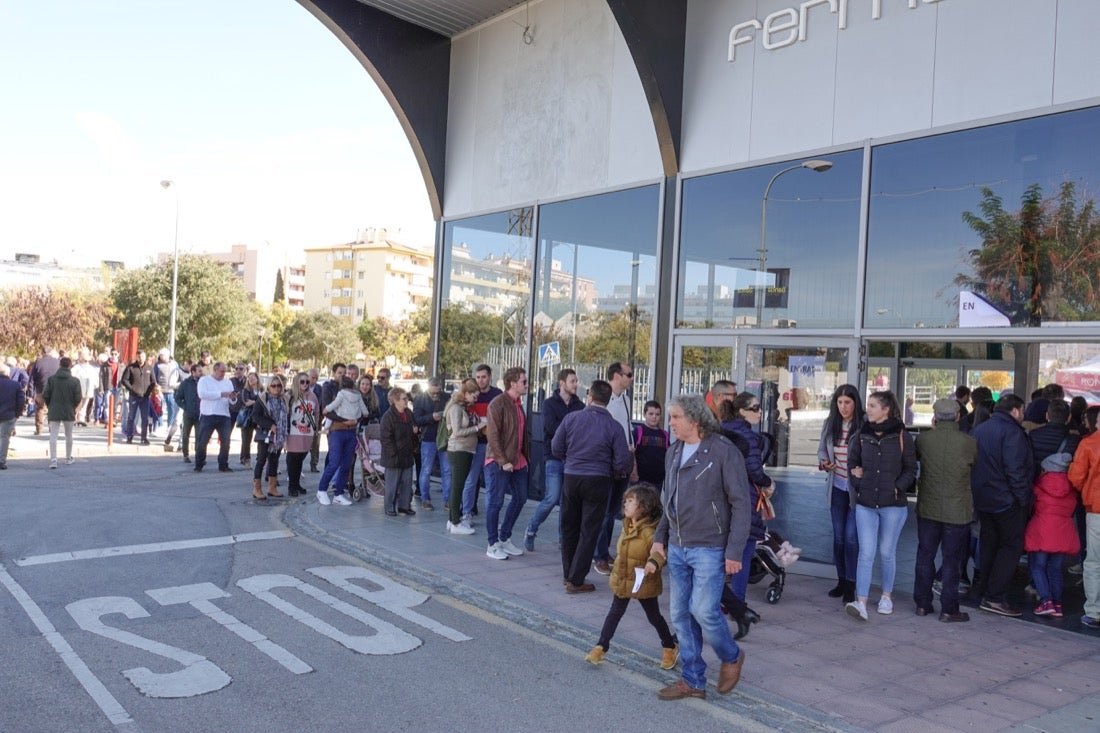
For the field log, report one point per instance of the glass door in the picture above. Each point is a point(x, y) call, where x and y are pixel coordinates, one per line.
point(700, 361)
point(795, 383)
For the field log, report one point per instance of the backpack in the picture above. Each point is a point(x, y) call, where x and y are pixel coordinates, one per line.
point(442, 433)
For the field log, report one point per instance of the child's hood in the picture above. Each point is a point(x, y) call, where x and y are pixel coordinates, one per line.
point(1054, 483)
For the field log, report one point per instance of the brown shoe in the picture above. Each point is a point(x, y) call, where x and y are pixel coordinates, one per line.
point(603, 567)
point(582, 588)
point(730, 674)
point(678, 690)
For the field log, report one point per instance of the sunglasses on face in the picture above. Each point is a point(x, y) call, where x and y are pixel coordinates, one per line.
point(628, 375)
point(303, 381)
point(753, 408)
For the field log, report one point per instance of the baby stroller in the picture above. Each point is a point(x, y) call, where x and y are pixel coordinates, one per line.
point(772, 558)
point(369, 452)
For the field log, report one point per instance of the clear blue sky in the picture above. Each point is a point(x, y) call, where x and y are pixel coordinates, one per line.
point(271, 129)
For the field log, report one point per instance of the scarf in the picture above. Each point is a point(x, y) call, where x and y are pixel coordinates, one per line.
point(276, 408)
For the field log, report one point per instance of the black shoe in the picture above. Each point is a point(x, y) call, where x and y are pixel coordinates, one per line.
point(225, 469)
point(187, 459)
point(838, 590)
point(128, 440)
point(961, 617)
point(313, 469)
point(922, 611)
point(197, 469)
point(1000, 608)
point(849, 591)
point(391, 514)
point(145, 442)
point(745, 622)
point(409, 512)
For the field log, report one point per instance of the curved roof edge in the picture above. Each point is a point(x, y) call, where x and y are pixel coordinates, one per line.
point(655, 32)
point(411, 66)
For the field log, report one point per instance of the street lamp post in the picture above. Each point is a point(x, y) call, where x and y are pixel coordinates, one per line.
point(819, 166)
point(175, 268)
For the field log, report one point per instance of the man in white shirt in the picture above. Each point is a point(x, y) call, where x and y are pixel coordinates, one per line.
point(621, 378)
point(215, 395)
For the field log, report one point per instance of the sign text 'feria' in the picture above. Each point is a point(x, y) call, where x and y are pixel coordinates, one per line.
point(788, 26)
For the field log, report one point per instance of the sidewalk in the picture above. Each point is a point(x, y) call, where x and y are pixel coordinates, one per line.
point(808, 666)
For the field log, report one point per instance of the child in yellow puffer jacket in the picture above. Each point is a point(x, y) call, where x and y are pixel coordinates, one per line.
point(641, 512)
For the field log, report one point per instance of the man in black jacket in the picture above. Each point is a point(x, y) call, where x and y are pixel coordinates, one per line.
point(427, 412)
point(1001, 482)
point(1053, 436)
point(139, 382)
point(44, 367)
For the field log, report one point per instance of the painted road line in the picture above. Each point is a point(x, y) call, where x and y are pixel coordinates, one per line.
point(153, 547)
point(91, 684)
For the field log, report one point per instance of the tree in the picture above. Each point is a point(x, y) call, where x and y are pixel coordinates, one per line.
point(1040, 263)
point(406, 341)
point(280, 295)
point(317, 336)
point(32, 316)
point(465, 335)
point(214, 310)
point(616, 336)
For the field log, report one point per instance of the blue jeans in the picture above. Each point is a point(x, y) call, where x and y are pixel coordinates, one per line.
point(614, 511)
point(341, 452)
point(1046, 575)
point(469, 489)
point(208, 424)
point(553, 473)
point(497, 482)
point(739, 581)
point(845, 540)
point(170, 410)
point(428, 453)
point(138, 408)
point(878, 529)
point(697, 576)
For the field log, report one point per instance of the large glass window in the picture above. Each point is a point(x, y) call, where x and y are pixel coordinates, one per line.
point(596, 287)
point(986, 227)
point(784, 261)
point(486, 292)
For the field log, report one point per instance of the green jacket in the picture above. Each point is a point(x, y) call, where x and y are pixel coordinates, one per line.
point(62, 396)
point(946, 456)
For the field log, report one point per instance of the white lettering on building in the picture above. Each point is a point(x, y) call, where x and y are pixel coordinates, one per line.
point(788, 26)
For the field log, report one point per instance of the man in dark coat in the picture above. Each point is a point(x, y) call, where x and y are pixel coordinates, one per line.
point(1001, 482)
point(44, 367)
point(12, 402)
point(61, 396)
point(139, 381)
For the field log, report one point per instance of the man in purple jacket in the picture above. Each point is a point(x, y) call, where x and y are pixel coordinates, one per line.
point(593, 447)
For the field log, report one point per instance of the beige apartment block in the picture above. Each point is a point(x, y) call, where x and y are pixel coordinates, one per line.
point(376, 275)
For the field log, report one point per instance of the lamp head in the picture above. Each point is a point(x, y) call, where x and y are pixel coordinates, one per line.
point(168, 184)
point(818, 165)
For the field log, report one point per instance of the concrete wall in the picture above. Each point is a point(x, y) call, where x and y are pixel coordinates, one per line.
point(938, 63)
point(561, 116)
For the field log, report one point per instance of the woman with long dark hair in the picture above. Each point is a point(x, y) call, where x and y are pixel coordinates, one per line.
point(270, 420)
point(882, 467)
point(844, 420)
point(739, 418)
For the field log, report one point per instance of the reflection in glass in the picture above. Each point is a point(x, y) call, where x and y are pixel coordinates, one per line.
point(810, 248)
point(795, 386)
point(702, 366)
point(596, 286)
point(1006, 212)
point(486, 292)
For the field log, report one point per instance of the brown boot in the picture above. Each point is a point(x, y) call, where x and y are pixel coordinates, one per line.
point(730, 674)
point(272, 491)
point(257, 492)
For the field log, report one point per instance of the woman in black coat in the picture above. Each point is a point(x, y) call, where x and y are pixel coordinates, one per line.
point(399, 450)
point(882, 466)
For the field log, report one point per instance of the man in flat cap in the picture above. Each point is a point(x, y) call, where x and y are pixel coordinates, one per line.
point(945, 508)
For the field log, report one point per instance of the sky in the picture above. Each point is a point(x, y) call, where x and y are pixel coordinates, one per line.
point(273, 133)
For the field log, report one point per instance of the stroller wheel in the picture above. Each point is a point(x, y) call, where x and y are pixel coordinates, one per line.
point(357, 493)
point(773, 595)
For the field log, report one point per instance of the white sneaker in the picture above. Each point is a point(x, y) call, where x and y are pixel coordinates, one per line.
point(53, 463)
point(508, 547)
point(885, 605)
point(459, 528)
point(70, 461)
point(466, 527)
point(855, 609)
point(342, 500)
point(496, 553)
point(468, 519)
point(323, 498)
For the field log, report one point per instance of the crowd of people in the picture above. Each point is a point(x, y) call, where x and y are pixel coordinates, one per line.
point(995, 481)
point(992, 481)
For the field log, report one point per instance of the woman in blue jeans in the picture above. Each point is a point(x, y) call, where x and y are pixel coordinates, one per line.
point(844, 420)
point(882, 466)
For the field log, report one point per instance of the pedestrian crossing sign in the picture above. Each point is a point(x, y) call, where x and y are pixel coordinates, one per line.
point(549, 354)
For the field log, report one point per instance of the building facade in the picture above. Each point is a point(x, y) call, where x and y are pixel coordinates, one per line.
point(376, 275)
point(795, 195)
point(258, 270)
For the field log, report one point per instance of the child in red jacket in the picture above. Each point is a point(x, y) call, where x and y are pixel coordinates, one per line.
point(1051, 533)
